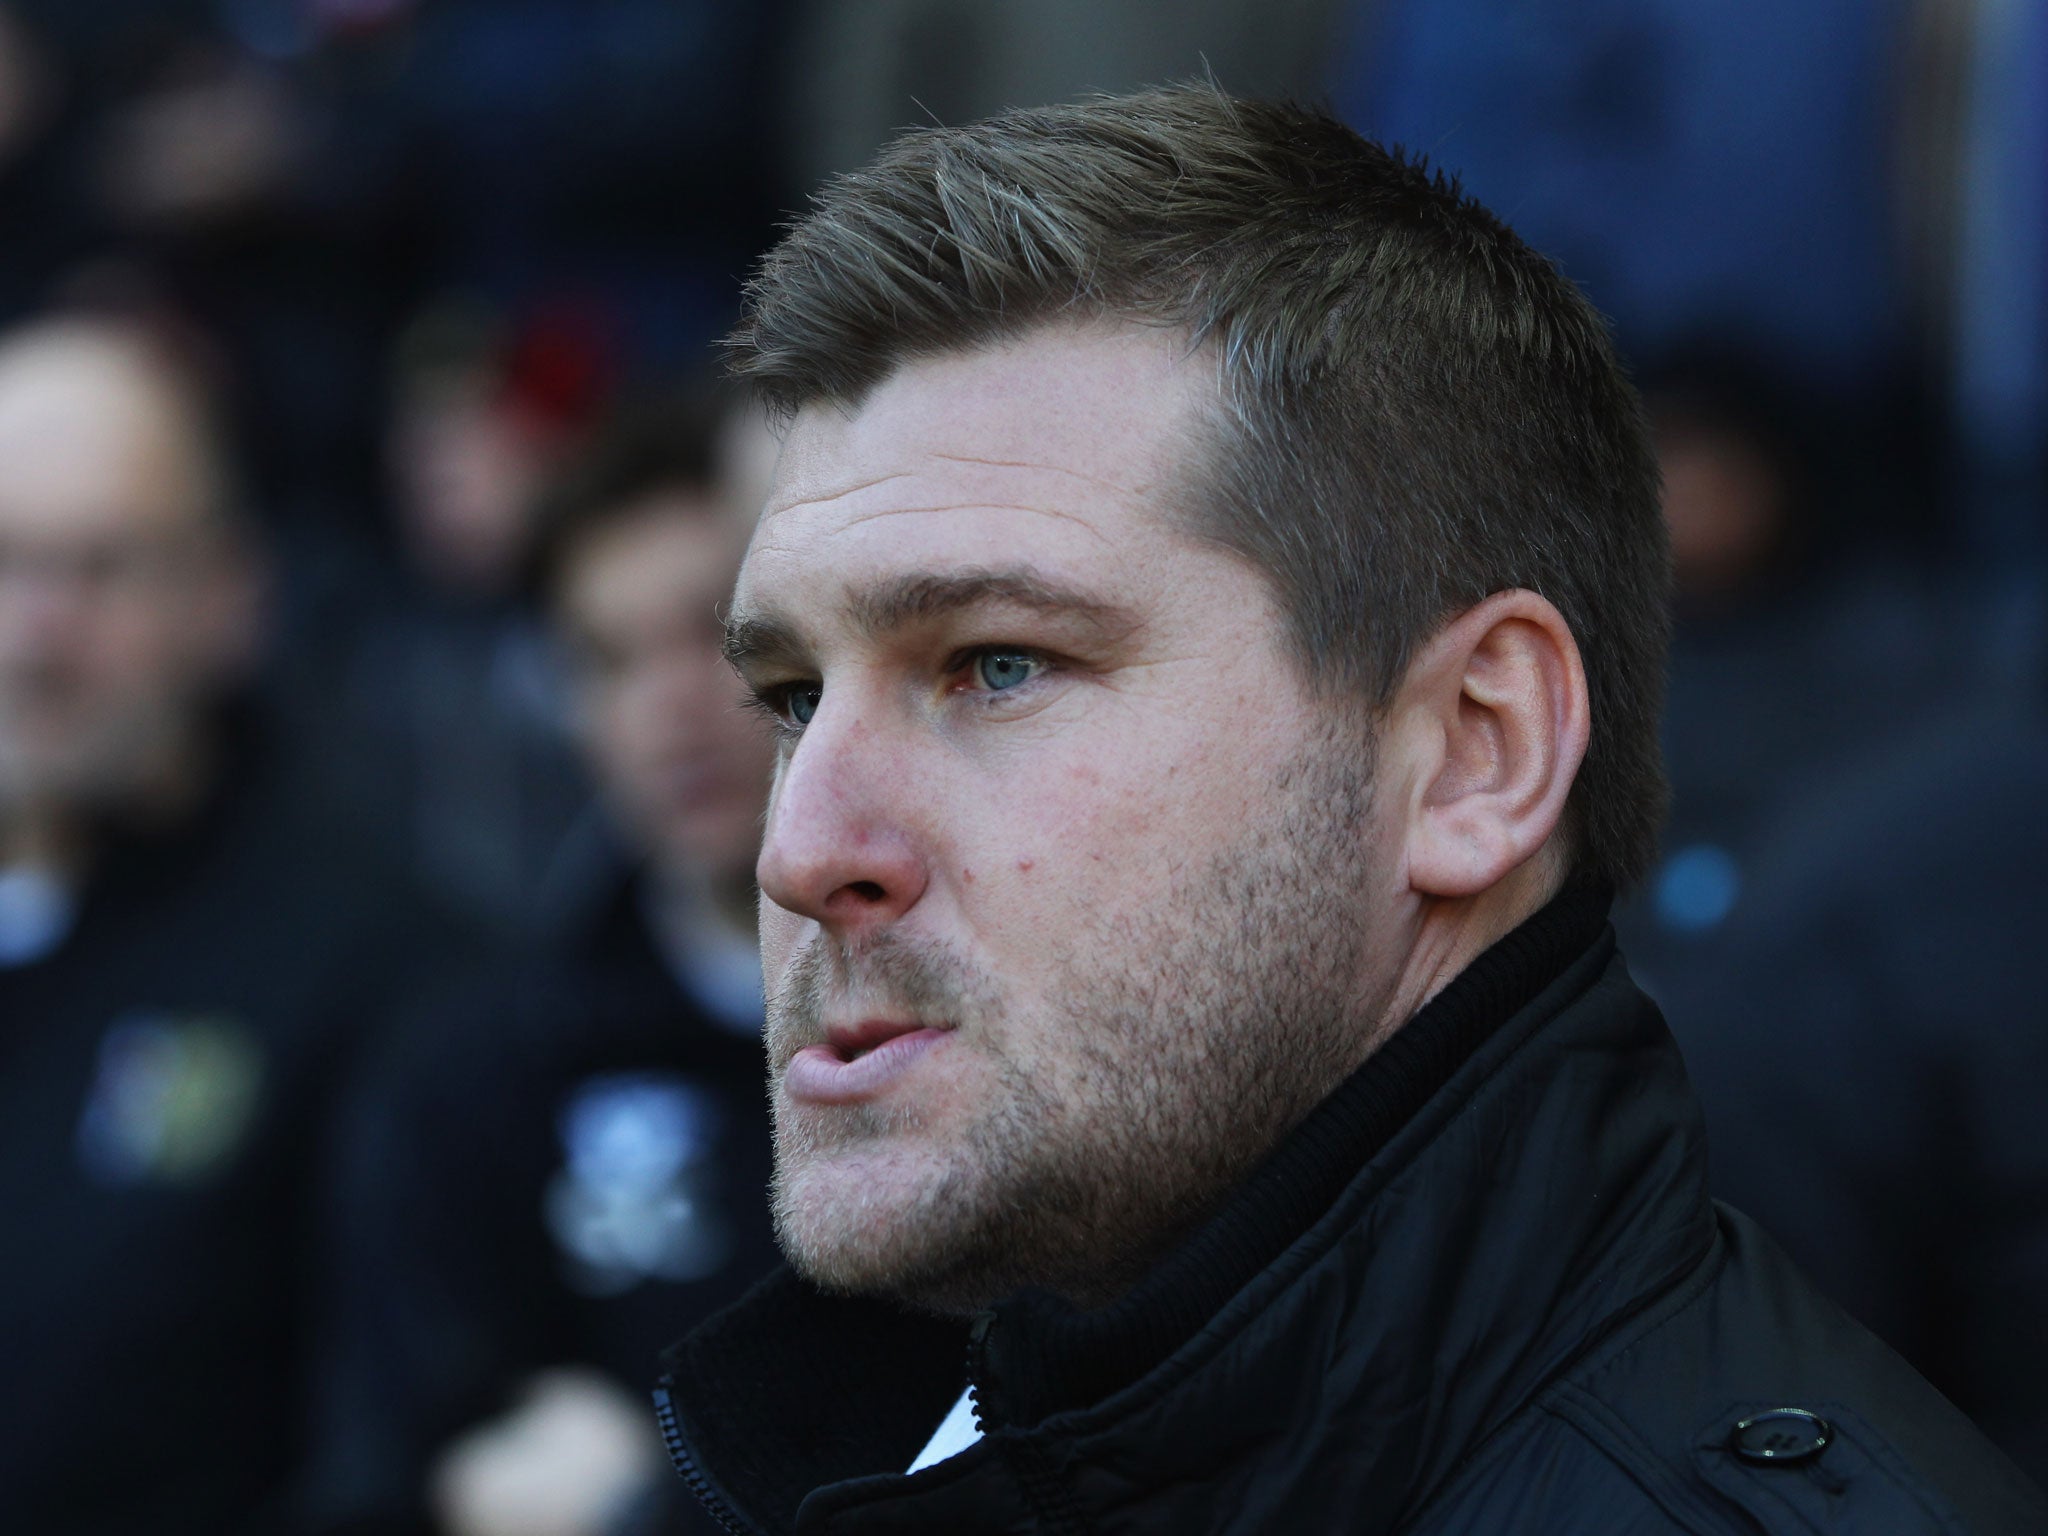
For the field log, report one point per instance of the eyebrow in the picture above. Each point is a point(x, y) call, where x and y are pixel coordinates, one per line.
point(754, 639)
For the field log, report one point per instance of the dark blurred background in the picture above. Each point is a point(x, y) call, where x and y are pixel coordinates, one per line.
point(377, 1090)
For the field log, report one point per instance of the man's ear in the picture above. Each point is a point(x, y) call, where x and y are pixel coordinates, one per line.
point(1493, 717)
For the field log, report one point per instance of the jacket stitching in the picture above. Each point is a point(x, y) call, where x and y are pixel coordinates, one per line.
point(1595, 1423)
point(1672, 1303)
point(1622, 1342)
point(1691, 1280)
point(1879, 1450)
point(1044, 1489)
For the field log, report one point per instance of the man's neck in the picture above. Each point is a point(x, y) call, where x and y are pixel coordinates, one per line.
point(1445, 935)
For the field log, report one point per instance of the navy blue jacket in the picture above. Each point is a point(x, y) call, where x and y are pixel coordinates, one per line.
point(562, 1163)
point(167, 1079)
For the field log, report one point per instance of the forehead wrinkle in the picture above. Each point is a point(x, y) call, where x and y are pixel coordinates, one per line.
point(973, 506)
point(1136, 492)
point(823, 497)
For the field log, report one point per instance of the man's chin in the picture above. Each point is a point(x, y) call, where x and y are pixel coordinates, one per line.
point(898, 1224)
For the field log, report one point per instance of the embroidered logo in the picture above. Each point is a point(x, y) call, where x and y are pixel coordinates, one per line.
point(637, 1196)
point(173, 1097)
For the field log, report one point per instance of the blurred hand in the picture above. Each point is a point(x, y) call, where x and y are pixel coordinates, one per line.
point(564, 1462)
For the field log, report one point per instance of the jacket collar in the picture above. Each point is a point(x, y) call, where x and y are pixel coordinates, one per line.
point(1517, 1168)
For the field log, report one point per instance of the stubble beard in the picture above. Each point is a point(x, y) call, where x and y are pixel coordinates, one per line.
point(1195, 1034)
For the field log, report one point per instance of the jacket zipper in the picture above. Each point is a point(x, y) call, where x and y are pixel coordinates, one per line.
point(686, 1464)
point(1043, 1488)
point(977, 1352)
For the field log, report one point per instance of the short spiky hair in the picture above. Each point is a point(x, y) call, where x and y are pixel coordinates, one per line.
point(1416, 410)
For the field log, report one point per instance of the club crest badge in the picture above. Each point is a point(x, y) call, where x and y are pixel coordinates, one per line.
point(172, 1099)
point(636, 1198)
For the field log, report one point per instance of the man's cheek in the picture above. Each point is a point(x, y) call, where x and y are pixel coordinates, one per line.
point(781, 932)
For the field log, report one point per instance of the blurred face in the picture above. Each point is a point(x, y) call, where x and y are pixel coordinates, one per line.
point(682, 759)
point(122, 602)
point(1725, 501)
point(1067, 883)
point(467, 467)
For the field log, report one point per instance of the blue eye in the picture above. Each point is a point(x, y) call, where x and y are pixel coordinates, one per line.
point(999, 670)
point(801, 702)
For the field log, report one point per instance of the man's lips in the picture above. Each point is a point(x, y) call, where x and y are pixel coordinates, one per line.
point(858, 1062)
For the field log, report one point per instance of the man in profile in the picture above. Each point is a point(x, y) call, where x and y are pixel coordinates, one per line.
point(1212, 603)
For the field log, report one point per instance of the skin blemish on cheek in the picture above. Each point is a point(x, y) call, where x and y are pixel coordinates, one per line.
point(966, 876)
point(1024, 866)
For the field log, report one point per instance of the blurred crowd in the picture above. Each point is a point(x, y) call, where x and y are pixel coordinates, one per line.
point(379, 1075)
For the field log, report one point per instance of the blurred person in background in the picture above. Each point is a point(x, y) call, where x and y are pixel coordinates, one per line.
point(1698, 169)
point(306, 176)
point(561, 1166)
point(1875, 1100)
point(1845, 194)
point(1796, 649)
point(193, 939)
point(448, 701)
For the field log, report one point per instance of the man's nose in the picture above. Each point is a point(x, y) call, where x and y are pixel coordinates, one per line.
point(841, 846)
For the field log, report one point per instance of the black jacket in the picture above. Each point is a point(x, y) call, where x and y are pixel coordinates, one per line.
point(167, 1076)
point(1481, 1289)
